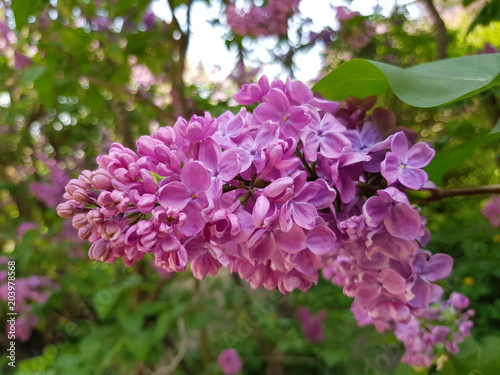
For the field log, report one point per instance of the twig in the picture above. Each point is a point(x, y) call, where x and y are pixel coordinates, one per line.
point(180, 354)
point(437, 193)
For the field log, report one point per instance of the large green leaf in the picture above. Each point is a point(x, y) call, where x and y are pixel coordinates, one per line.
point(424, 86)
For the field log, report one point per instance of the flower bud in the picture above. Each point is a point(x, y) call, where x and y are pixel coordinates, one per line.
point(100, 250)
point(65, 210)
point(85, 232)
point(79, 220)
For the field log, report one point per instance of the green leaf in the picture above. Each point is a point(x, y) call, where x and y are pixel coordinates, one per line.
point(449, 159)
point(107, 299)
point(140, 344)
point(427, 85)
point(488, 358)
point(33, 73)
point(162, 325)
point(475, 372)
point(23, 9)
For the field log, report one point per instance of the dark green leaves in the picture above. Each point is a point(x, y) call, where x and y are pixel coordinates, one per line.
point(449, 159)
point(426, 85)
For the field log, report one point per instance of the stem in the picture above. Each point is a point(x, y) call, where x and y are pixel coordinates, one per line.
point(310, 171)
point(436, 194)
point(205, 352)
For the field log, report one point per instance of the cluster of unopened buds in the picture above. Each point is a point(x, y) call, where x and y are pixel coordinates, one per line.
point(276, 194)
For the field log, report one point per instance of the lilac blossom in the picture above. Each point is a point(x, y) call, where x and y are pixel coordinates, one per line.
point(276, 194)
point(404, 165)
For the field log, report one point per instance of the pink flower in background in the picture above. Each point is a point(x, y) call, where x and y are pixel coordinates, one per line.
point(230, 362)
point(312, 325)
point(271, 19)
point(491, 211)
point(30, 291)
point(50, 193)
point(141, 77)
point(21, 61)
point(24, 227)
point(345, 14)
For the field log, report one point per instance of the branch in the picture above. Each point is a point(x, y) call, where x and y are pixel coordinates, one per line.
point(441, 33)
point(437, 193)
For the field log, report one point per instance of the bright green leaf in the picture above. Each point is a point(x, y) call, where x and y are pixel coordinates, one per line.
point(426, 85)
point(475, 372)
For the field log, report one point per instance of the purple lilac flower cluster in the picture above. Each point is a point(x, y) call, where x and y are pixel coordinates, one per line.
point(268, 20)
point(274, 194)
point(357, 36)
point(29, 291)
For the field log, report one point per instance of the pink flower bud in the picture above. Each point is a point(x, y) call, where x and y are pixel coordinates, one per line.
point(80, 195)
point(65, 210)
point(85, 232)
point(100, 250)
point(102, 180)
point(79, 220)
point(95, 217)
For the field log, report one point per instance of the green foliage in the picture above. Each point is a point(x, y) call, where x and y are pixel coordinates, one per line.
point(427, 85)
point(489, 13)
point(446, 160)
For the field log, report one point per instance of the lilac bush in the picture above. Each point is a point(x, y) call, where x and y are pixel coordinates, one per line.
point(28, 291)
point(276, 194)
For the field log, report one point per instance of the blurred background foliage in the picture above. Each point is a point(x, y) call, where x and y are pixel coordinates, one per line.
point(77, 75)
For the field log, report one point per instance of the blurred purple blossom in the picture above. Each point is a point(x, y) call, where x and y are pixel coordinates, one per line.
point(230, 362)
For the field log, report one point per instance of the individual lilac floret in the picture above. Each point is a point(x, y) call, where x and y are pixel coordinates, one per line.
point(230, 362)
point(253, 92)
point(404, 165)
point(393, 209)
